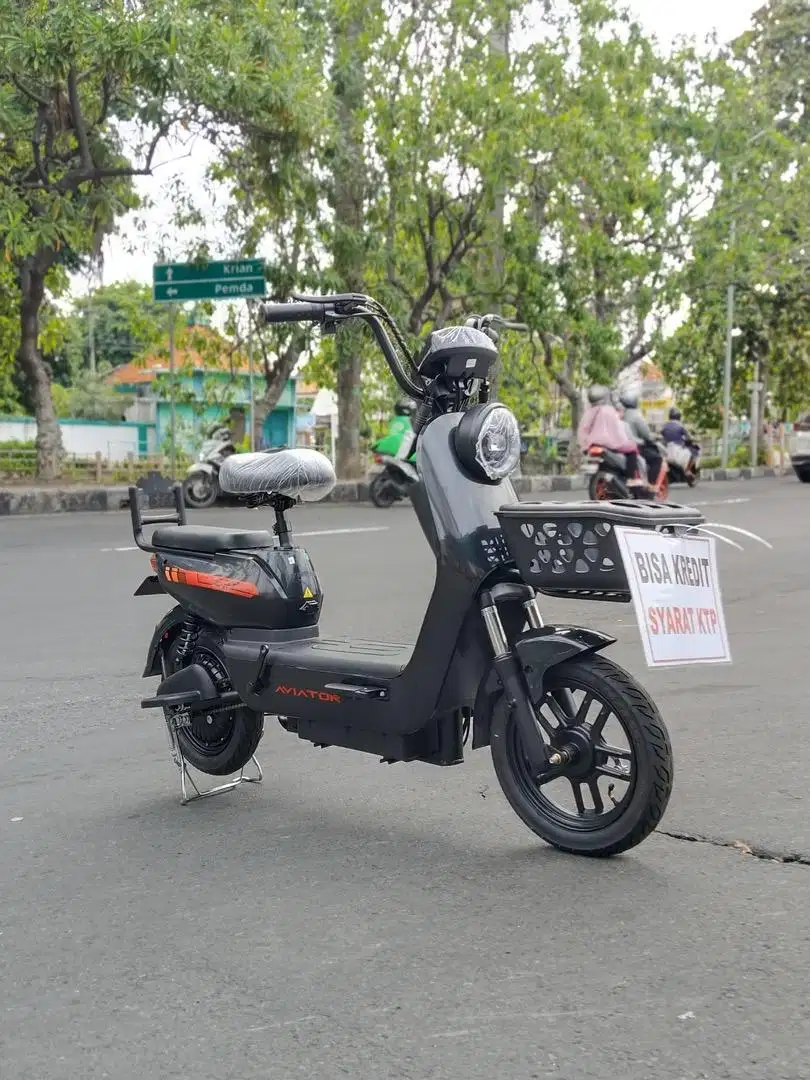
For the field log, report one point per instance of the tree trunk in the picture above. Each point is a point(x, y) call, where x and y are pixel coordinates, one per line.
point(37, 373)
point(349, 256)
point(499, 51)
point(275, 379)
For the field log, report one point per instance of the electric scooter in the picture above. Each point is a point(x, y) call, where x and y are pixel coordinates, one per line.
point(578, 746)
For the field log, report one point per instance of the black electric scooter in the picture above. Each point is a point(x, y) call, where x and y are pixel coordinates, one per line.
point(579, 748)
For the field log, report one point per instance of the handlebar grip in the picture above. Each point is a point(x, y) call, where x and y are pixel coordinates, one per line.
point(293, 313)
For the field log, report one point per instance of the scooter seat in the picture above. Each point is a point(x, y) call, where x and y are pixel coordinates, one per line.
point(299, 474)
point(208, 539)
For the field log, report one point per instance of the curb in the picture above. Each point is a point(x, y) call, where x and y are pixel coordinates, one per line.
point(19, 501)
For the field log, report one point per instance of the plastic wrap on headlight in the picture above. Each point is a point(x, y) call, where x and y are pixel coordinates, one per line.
point(497, 448)
point(487, 442)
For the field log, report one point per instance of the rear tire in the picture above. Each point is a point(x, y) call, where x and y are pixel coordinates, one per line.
point(601, 488)
point(381, 492)
point(200, 491)
point(648, 773)
point(221, 743)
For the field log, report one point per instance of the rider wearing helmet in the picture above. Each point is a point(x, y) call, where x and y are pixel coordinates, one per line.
point(640, 430)
point(674, 431)
point(601, 426)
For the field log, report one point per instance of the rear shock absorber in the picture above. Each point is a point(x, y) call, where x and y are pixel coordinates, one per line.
point(186, 639)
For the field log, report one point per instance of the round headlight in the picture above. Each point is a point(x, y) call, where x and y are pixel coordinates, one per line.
point(487, 442)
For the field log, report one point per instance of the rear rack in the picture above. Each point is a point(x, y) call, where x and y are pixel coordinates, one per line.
point(141, 520)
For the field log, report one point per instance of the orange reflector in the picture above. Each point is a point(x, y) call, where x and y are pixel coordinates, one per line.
point(153, 563)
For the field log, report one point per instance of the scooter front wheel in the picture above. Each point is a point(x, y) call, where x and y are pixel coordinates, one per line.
point(613, 792)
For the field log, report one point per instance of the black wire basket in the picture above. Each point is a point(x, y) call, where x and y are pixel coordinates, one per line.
point(570, 549)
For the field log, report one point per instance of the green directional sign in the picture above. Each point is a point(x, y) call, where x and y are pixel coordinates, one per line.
point(239, 279)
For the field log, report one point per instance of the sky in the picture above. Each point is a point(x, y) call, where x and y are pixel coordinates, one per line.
point(130, 254)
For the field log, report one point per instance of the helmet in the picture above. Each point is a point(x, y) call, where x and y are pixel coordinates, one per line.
point(599, 395)
point(405, 407)
point(674, 414)
point(628, 400)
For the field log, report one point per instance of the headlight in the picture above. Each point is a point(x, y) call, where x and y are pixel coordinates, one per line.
point(201, 456)
point(487, 442)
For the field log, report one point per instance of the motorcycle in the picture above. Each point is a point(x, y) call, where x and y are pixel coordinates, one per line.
point(607, 470)
point(578, 746)
point(681, 469)
point(397, 475)
point(201, 485)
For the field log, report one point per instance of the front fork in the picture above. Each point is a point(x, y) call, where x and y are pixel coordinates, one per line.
point(510, 673)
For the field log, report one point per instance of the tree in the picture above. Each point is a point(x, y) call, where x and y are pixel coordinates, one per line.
point(613, 135)
point(112, 325)
point(757, 233)
point(75, 78)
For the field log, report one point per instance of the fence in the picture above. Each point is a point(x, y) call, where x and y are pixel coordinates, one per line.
point(18, 464)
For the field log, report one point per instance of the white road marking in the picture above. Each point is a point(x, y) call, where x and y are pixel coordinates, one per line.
point(718, 502)
point(316, 532)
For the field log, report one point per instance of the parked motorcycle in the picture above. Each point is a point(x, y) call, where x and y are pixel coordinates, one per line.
point(201, 485)
point(607, 470)
point(683, 470)
point(578, 746)
point(396, 477)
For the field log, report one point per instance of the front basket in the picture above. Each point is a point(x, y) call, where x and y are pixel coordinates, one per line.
point(570, 549)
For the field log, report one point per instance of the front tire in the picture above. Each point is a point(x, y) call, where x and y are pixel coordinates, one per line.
point(585, 698)
point(219, 743)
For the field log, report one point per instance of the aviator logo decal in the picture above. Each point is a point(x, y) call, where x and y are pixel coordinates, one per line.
point(310, 695)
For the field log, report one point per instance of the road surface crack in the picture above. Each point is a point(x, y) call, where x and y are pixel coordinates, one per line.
point(765, 854)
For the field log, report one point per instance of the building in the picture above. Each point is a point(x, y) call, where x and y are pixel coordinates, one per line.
point(213, 386)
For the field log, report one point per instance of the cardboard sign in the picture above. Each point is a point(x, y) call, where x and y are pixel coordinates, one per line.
point(676, 594)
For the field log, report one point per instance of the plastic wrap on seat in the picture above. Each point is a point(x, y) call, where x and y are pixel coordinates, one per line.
point(299, 474)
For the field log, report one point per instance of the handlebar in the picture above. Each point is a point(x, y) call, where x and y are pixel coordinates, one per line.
point(329, 310)
point(293, 313)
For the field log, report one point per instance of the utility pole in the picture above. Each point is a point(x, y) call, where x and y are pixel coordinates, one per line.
point(729, 337)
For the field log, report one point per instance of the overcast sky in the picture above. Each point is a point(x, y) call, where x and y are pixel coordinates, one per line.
point(130, 255)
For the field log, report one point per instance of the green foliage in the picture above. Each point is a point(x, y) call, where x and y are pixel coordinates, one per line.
point(90, 397)
point(121, 321)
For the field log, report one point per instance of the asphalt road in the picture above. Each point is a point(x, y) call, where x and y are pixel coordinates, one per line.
point(348, 919)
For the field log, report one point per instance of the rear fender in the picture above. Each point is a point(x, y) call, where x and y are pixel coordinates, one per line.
point(538, 651)
point(164, 632)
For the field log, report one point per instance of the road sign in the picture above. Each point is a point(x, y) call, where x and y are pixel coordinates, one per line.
point(240, 279)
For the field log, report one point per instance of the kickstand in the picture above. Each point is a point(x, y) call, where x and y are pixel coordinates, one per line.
point(180, 719)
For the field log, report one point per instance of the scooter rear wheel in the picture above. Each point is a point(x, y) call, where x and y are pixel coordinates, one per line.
point(382, 492)
point(615, 791)
point(222, 742)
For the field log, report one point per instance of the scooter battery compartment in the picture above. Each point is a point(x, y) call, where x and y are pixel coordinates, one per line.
point(570, 549)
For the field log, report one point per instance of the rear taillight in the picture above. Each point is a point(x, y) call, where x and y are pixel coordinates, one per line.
point(153, 562)
point(378, 459)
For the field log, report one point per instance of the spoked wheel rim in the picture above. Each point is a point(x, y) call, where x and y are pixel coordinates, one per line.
point(602, 779)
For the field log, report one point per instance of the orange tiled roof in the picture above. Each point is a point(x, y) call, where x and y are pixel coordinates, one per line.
point(188, 343)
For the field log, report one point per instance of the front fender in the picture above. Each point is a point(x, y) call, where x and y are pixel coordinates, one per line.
point(538, 651)
point(164, 632)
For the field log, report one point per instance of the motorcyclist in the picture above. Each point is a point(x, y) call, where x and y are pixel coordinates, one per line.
point(679, 445)
point(398, 441)
point(601, 426)
point(640, 430)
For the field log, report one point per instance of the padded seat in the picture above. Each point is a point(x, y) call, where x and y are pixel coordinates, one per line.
point(208, 539)
point(299, 474)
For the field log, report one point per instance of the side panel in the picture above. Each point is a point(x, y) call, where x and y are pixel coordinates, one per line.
point(274, 588)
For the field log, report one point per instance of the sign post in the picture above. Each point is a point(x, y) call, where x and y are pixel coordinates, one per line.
point(173, 444)
point(676, 595)
point(252, 406)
